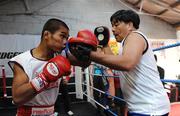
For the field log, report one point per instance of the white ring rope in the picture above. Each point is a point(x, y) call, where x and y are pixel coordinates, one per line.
point(104, 92)
point(95, 101)
point(101, 105)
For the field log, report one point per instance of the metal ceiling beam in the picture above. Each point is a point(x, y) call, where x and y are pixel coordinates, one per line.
point(4, 2)
point(137, 2)
point(161, 12)
point(26, 5)
point(167, 7)
point(175, 4)
point(141, 6)
point(164, 1)
point(158, 15)
point(176, 24)
point(172, 5)
point(160, 3)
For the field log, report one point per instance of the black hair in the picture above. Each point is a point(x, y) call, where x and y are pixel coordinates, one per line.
point(126, 16)
point(52, 25)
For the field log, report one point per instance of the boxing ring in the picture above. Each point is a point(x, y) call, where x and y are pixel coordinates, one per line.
point(84, 88)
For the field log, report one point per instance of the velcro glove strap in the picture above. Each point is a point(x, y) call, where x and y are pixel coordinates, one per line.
point(39, 83)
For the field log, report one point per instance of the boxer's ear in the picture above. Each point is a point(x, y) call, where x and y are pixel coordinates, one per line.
point(46, 34)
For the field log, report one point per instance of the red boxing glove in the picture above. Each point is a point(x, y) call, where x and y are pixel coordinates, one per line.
point(55, 68)
point(82, 45)
point(88, 38)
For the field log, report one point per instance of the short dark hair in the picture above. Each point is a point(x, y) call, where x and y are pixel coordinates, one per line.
point(52, 25)
point(126, 16)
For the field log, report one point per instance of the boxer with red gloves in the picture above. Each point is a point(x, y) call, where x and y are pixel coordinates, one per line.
point(52, 71)
point(37, 72)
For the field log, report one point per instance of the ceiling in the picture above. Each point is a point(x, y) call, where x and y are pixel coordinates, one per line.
point(166, 10)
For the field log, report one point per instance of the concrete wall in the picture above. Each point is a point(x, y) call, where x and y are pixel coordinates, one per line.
point(78, 14)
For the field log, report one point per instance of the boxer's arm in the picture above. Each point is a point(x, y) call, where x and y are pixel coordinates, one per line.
point(22, 90)
point(132, 52)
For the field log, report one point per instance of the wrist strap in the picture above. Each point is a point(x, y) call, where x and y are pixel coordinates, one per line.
point(39, 83)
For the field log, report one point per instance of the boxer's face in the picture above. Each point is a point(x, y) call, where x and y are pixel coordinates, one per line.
point(57, 40)
point(120, 30)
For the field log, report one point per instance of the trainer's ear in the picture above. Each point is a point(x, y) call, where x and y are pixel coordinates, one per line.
point(130, 25)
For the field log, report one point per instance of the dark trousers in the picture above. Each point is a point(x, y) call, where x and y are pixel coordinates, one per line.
point(99, 83)
point(65, 96)
point(136, 114)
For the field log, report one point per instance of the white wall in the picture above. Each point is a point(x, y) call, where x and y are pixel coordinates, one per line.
point(167, 58)
point(78, 14)
point(178, 34)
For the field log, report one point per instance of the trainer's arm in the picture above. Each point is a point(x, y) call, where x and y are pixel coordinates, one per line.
point(22, 90)
point(107, 50)
point(132, 52)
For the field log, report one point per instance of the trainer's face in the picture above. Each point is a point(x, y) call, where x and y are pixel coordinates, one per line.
point(57, 41)
point(120, 30)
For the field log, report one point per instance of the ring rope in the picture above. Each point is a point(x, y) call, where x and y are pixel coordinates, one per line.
point(163, 80)
point(104, 92)
point(107, 109)
point(95, 101)
point(100, 75)
point(167, 46)
point(170, 80)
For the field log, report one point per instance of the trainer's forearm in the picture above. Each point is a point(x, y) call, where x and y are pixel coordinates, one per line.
point(107, 50)
point(111, 61)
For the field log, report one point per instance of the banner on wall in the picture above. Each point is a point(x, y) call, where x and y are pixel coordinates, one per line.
point(12, 45)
